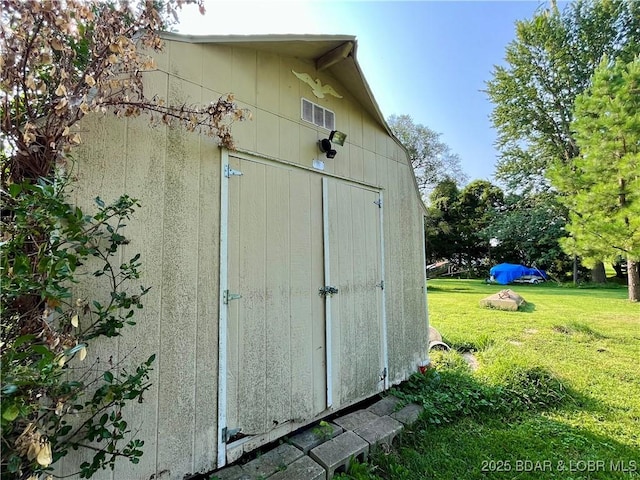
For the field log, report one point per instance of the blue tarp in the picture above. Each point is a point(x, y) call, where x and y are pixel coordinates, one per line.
point(506, 273)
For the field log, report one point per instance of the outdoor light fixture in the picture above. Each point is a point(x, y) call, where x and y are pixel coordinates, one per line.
point(335, 137)
point(325, 147)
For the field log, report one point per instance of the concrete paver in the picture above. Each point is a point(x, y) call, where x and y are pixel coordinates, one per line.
point(232, 473)
point(314, 436)
point(272, 461)
point(408, 414)
point(318, 452)
point(336, 454)
point(302, 469)
point(355, 419)
point(382, 430)
point(385, 406)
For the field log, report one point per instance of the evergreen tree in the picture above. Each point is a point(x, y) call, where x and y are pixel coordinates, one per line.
point(602, 186)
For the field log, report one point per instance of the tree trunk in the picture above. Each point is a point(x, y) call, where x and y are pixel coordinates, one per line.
point(598, 274)
point(633, 274)
point(575, 270)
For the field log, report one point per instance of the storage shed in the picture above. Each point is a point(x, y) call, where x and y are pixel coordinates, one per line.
point(286, 285)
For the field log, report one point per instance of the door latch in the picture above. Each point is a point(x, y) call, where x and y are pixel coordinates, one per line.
point(227, 297)
point(327, 290)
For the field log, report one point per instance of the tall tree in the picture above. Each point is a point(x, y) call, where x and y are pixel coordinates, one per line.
point(602, 185)
point(527, 230)
point(457, 220)
point(548, 64)
point(431, 158)
point(477, 203)
point(440, 226)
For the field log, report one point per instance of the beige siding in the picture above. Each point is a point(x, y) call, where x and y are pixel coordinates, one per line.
point(175, 175)
point(268, 128)
point(289, 141)
point(268, 93)
point(98, 183)
point(145, 230)
point(307, 321)
point(275, 328)
point(206, 394)
point(355, 270)
point(279, 340)
point(217, 67)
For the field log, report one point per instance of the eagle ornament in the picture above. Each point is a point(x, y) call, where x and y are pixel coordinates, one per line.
point(317, 88)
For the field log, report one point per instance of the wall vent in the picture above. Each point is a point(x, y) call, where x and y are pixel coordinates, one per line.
point(318, 115)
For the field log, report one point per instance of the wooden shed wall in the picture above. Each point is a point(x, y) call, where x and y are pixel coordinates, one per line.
point(176, 176)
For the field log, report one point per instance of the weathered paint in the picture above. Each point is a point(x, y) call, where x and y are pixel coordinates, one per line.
point(276, 243)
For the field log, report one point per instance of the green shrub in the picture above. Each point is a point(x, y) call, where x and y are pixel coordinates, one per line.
point(358, 471)
point(447, 395)
point(450, 391)
point(48, 405)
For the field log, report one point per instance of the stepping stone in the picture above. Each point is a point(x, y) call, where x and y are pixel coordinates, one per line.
point(272, 461)
point(314, 436)
point(386, 406)
point(408, 414)
point(382, 430)
point(356, 419)
point(336, 454)
point(302, 469)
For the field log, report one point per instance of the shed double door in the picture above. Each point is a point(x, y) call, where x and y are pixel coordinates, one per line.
point(294, 349)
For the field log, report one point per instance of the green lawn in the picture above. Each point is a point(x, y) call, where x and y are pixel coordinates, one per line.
point(556, 394)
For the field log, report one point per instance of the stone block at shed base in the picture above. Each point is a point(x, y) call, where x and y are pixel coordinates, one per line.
point(231, 473)
point(272, 461)
point(382, 430)
point(335, 455)
point(302, 469)
point(385, 406)
point(314, 436)
point(408, 414)
point(355, 419)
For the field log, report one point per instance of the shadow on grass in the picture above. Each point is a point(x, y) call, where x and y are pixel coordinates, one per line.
point(449, 289)
point(612, 291)
point(573, 328)
point(533, 447)
point(471, 430)
point(528, 307)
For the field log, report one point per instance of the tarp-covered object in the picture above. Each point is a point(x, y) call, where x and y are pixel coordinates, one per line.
point(505, 273)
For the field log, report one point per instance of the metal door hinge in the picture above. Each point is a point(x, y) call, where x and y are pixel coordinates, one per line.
point(228, 434)
point(227, 296)
point(327, 290)
point(378, 202)
point(383, 375)
point(381, 284)
point(229, 172)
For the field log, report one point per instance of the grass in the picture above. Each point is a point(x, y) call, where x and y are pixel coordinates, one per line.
point(556, 394)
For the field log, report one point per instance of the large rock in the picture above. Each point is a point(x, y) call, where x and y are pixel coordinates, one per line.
point(503, 300)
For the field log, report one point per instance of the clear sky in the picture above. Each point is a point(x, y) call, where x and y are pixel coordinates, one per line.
point(428, 59)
